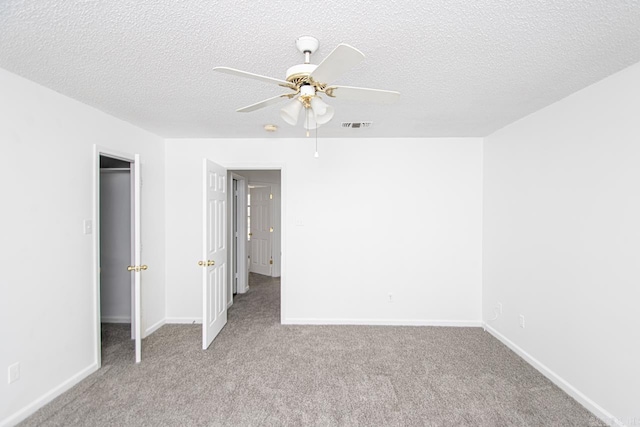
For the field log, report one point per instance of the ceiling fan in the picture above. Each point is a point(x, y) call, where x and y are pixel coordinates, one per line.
point(307, 81)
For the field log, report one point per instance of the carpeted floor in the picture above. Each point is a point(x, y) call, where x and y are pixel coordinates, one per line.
point(260, 373)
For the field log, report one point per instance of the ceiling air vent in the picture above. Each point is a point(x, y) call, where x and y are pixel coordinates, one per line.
point(356, 125)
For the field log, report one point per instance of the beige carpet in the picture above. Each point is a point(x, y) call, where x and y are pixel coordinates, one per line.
point(260, 373)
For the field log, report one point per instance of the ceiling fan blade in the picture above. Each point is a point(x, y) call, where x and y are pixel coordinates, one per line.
point(363, 94)
point(342, 58)
point(245, 74)
point(262, 104)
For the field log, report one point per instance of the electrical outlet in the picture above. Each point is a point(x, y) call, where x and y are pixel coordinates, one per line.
point(390, 297)
point(14, 372)
point(521, 320)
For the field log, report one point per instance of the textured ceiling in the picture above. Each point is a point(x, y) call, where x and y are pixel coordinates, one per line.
point(464, 68)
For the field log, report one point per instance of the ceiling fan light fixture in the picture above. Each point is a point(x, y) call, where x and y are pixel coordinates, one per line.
point(291, 111)
point(324, 113)
point(310, 122)
point(319, 106)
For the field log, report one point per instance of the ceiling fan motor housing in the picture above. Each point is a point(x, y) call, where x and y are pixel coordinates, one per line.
point(300, 70)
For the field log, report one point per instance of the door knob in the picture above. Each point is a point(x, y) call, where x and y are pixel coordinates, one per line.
point(131, 268)
point(208, 263)
point(137, 268)
point(143, 267)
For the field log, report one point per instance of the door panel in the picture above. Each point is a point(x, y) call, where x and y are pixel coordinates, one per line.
point(261, 230)
point(214, 262)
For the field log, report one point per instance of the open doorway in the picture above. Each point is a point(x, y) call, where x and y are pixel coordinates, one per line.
point(225, 251)
point(117, 254)
point(115, 228)
point(255, 228)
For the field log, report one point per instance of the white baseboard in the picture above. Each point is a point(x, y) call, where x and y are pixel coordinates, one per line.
point(151, 329)
point(592, 406)
point(32, 407)
point(115, 319)
point(383, 322)
point(183, 320)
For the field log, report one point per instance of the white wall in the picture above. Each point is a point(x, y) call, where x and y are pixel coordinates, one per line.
point(380, 216)
point(562, 240)
point(46, 292)
point(261, 176)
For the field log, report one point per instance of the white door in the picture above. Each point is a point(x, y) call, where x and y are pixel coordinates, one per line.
point(137, 267)
point(260, 230)
point(214, 257)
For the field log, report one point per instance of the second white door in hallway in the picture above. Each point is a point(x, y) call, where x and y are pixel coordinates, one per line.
point(260, 230)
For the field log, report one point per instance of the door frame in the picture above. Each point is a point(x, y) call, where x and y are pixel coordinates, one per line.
point(282, 167)
point(127, 157)
point(241, 220)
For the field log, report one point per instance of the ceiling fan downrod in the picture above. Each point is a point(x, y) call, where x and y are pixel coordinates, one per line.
point(307, 45)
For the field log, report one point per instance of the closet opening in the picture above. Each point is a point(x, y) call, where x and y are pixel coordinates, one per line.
point(116, 225)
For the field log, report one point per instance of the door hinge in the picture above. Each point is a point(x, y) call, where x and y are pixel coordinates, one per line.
point(271, 196)
point(271, 261)
point(270, 229)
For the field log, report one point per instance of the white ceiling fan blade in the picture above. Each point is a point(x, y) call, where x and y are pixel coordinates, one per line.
point(262, 104)
point(246, 74)
point(363, 94)
point(342, 58)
